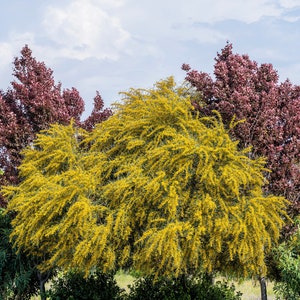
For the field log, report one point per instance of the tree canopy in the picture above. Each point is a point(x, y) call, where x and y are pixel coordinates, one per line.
point(156, 186)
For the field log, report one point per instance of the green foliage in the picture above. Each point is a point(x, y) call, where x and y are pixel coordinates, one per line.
point(183, 288)
point(288, 257)
point(74, 286)
point(155, 187)
point(18, 275)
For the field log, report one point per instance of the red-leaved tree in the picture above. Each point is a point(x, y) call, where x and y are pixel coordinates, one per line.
point(271, 111)
point(32, 103)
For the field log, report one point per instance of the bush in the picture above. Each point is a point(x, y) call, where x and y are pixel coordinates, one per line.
point(289, 285)
point(18, 275)
point(288, 260)
point(73, 286)
point(182, 288)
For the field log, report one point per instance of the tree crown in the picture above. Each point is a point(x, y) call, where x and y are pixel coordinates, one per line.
point(154, 184)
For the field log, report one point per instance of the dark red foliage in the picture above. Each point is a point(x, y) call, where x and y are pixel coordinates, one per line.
point(98, 113)
point(271, 111)
point(32, 103)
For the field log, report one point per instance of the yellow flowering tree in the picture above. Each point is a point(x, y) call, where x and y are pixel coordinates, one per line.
point(52, 202)
point(154, 186)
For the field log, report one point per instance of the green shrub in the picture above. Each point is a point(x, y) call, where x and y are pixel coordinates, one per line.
point(288, 263)
point(73, 286)
point(289, 285)
point(18, 274)
point(182, 288)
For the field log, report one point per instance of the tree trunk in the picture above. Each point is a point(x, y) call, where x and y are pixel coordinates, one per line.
point(263, 288)
point(43, 277)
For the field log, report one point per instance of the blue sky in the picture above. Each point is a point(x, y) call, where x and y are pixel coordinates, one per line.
point(112, 45)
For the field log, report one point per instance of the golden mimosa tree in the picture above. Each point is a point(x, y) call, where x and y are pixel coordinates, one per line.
point(155, 186)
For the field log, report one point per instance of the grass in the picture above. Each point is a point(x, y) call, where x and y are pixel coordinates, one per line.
point(123, 279)
point(251, 290)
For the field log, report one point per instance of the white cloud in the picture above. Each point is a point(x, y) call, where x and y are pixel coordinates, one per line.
point(151, 22)
point(83, 29)
point(104, 29)
point(289, 3)
point(206, 11)
point(141, 31)
point(291, 11)
point(11, 49)
point(247, 11)
point(109, 3)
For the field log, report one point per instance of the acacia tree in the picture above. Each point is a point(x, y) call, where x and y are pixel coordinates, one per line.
point(154, 185)
point(33, 103)
point(271, 111)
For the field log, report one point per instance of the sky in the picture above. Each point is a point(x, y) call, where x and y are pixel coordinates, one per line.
point(112, 45)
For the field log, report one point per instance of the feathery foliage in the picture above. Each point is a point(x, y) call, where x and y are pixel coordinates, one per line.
point(52, 201)
point(155, 186)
